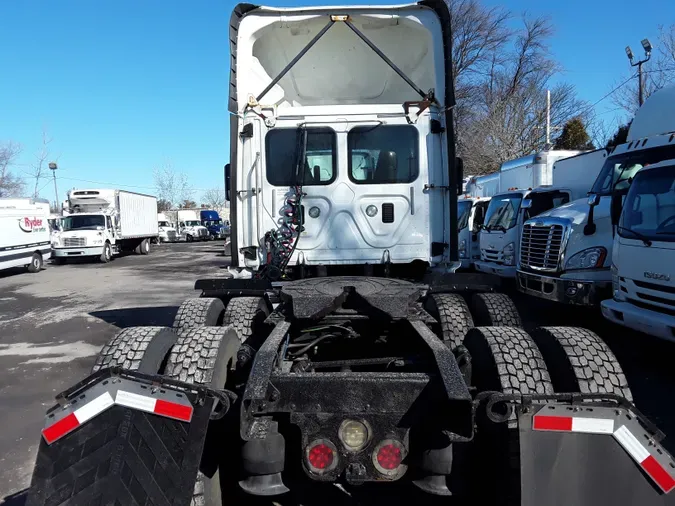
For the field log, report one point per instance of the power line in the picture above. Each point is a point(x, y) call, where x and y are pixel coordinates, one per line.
point(113, 185)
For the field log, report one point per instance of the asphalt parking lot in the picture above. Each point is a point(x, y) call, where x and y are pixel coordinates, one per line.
point(52, 325)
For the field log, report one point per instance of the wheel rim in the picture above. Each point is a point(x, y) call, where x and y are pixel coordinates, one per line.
point(36, 263)
point(147, 246)
point(107, 252)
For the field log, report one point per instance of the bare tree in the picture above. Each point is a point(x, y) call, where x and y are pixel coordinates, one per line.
point(214, 198)
point(39, 167)
point(172, 186)
point(11, 185)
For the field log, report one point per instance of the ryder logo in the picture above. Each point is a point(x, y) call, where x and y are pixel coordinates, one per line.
point(31, 224)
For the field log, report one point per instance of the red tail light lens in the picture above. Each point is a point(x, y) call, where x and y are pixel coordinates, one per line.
point(388, 456)
point(321, 456)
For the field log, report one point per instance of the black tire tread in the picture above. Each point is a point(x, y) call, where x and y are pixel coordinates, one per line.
point(516, 359)
point(495, 310)
point(199, 311)
point(454, 316)
point(241, 313)
point(126, 348)
point(581, 361)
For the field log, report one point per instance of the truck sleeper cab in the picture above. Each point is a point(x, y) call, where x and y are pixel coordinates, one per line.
point(643, 255)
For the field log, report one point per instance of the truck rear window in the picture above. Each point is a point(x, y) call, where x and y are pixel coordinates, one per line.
point(281, 151)
point(383, 154)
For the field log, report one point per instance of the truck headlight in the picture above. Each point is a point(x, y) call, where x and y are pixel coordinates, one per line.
point(462, 248)
point(590, 258)
point(509, 254)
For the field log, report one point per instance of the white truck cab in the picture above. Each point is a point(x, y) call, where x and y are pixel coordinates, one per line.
point(572, 264)
point(643, 255)
point(500, 234)
point(166, 229)
point(471, 213)
point(332, 172)
point(190, 227)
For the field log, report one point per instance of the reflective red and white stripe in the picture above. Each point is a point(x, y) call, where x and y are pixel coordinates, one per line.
point(623, 435)
point(73, 420)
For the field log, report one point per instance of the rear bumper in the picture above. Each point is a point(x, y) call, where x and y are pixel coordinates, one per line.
point(580, 292)
point(504, 271)
point(650, 322)
point(77, 252)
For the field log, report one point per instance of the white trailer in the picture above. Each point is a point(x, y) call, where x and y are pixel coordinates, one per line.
point(576, 270)
point(103, 223)
point(643, 266)
point(24, 233)
point(499, 237)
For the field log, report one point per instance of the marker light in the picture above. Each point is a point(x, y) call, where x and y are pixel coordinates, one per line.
point(314, 212)
point(353, 434)
point(371, 211)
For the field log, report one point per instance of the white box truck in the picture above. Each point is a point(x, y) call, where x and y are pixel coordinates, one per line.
point(500, 234)
point(24, 233)
point(103, 223)
point(643, 255)
point(577, 268)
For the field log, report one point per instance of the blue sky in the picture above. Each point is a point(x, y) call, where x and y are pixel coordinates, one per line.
point(123, 85)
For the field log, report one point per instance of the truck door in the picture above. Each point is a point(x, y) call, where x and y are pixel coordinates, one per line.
point(479, 210)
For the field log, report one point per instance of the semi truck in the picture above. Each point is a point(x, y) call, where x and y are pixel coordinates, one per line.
point(213, 223)
point(345, 388)
point(499, 237)
point(577, 267)
point(166, 228)
point(643, 254)
point(190, 226)
point(102, 223)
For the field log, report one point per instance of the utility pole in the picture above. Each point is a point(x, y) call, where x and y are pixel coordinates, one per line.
point(647, 46)
point(548, 117)
point(53, 167)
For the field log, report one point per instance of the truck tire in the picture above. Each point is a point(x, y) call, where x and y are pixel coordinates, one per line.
point(141, 349)
point(503, 359)
point(200, 311)
point(494, 310)
point(205, 356)
point(453, 315)
point(35, 264)
point(189, 238)
point(579, 361)
point(145, 247)
point(246, 315)
point(106, 254)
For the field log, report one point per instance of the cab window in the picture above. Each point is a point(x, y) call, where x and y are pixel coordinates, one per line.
point(282, 146)
point(383, 154)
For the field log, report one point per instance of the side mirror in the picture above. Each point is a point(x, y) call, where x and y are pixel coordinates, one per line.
point(526, 204)
point(459, 174)
point(227, 182)
point(593, 199)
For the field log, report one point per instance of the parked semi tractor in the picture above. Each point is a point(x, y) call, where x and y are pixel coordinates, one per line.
point(643, 255)
point(578, 236)
point(190, 226)
point(167, 229)
point(285, 389)
point(213, 223)
point(103, 223)
point(500, 234)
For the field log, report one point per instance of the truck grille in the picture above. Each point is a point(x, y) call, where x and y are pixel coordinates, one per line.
point(74, 242)
point(171, 235)
point(491, 255)
point(541, 246)
point(203, 232)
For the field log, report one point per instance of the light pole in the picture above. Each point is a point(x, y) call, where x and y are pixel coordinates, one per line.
point(53, 167)
point(647, 46)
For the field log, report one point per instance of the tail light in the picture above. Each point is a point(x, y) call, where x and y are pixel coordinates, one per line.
point(388, 456)
point(321, 456)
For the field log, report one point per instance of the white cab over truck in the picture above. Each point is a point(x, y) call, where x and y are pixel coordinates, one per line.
point(166, 229)
point(643, 256)
point(571, 262)
point(471, 213)
point(190, 227)
point(103, 223)
point(499, 237)
point(24, 233)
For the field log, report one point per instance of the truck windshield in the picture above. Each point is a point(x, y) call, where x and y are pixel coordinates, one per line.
point(210, 223)
point(502, 213)
point(618, 169)
point(649, 209)
point(463, 212)
point(83, 222)
point(192, 223)
point(543, 201)
point(163, 224)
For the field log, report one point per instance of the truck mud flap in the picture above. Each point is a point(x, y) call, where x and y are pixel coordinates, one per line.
point(122, 438)
point(592, 454)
